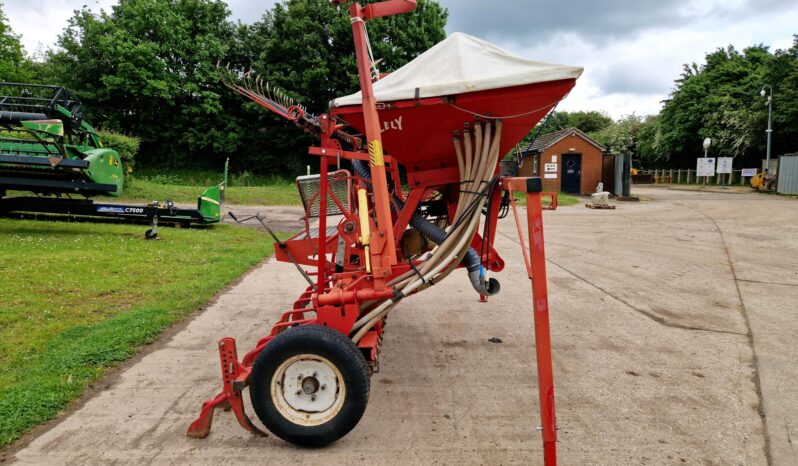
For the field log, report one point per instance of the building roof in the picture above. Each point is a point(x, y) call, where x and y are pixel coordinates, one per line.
point(541, 143)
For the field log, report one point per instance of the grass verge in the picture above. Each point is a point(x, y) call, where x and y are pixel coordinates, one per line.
point(184, 186)
point(563, 200)
point(79, 298)
point(145, 190)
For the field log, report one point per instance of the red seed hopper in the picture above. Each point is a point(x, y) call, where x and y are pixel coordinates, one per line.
point(447, 118)
point(461, 80)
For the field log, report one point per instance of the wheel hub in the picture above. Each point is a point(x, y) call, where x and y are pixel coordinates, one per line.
point(310, 385)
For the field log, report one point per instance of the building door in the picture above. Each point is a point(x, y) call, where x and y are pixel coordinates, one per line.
point(572, 173)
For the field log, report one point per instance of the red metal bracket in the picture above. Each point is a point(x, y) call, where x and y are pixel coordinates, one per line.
point(234, 378)
point(554, 200)
point(388, 8)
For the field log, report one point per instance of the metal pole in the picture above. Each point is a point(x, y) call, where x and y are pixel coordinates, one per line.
point(770, 130)
point(323, 200)
point(382, 206)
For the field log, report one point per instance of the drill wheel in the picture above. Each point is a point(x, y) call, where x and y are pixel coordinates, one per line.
point(310, 385)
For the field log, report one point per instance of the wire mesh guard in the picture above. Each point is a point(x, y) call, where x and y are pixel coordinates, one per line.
point(339, 186)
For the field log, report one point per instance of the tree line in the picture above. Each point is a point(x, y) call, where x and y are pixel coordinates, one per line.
point(719, 99)
point(148, 68)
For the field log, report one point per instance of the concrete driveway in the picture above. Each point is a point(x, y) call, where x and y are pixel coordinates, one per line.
point(674, 330)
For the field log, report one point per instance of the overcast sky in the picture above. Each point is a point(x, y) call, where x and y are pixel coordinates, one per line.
point(631, 50)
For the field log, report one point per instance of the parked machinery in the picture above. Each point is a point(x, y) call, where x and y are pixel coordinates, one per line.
point(55, 151)
point(447, 118)
point(47, 148)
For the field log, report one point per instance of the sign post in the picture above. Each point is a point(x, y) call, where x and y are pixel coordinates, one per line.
point(705, 167)
point(725, 166)
point(707, 145)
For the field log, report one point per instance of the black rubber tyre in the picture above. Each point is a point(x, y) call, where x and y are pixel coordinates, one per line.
point(352, 392)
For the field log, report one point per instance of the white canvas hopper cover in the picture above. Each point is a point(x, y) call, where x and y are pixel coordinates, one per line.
point(461, 64)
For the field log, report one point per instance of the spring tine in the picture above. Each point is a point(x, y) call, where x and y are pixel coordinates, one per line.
point(254, 87)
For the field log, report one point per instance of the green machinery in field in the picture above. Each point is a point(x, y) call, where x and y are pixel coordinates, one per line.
point(48, 149)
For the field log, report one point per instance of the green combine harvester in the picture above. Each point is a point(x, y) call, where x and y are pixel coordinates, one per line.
point(48, 149)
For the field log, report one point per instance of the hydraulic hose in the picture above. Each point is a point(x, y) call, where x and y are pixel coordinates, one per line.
point(437, 235)
point(444, 259)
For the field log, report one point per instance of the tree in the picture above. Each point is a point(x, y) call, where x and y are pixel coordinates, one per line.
point(621, 137)
point(589, 122)
point(648, 142)
point(13, 64)
point(306, 48)
point(784, 75)
point(585, 121)
point(720, 99)
point(147, 68)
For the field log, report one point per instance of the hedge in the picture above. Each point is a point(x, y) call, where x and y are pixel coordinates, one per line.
point(126, 146)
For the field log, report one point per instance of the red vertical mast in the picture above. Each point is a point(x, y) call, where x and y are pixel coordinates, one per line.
point(385, 256)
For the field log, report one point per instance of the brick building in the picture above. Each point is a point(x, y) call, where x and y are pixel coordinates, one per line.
point(568, 161)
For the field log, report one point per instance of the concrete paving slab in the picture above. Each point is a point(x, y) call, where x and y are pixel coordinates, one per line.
point(654, 362)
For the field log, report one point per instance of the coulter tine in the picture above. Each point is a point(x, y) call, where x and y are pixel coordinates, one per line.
point(254, 87)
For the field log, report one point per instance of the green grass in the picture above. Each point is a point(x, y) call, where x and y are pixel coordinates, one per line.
point(563, 200)
point(144, 190)
point(79, 298)
point(183, 186)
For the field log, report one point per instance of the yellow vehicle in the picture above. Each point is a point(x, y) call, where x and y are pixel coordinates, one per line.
point(762, 182)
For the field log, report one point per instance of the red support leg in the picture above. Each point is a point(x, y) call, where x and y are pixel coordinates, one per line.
point(540, 306)
point(535, 261)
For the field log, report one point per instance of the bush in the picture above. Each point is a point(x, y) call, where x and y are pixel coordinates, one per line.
point(126, 146)
point(163, 179)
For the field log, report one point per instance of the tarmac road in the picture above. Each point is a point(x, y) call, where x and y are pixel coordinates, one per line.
point(674, 331)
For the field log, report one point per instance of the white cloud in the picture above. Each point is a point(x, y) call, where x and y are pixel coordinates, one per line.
point(632, 53)
point(635, 74)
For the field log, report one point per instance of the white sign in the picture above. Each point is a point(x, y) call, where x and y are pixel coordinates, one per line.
point(550, 168)
point(550, 176)
point(553, 159)
point(705, 167)
point(749, 172)
point(725, 164)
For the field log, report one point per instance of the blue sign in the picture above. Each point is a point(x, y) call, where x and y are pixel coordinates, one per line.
point(105, 209)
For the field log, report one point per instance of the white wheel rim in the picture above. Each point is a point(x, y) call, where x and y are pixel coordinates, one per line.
point(308, 390)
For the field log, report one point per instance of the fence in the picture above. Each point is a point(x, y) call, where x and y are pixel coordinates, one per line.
point(681, 176)
point(788, 175)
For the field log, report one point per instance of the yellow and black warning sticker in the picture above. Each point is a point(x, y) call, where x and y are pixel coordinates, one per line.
point(375, 152)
